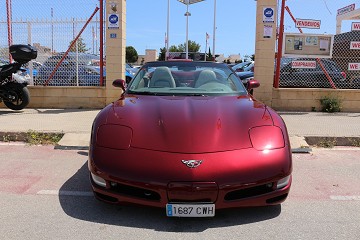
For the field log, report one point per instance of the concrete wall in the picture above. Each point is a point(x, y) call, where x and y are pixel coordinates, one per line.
point(284, 99)
point(305, 99)
point(68, 97)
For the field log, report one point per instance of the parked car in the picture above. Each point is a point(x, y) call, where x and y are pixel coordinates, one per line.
point(72, 69)
point(95, 72)
point(244, 67)
point(130, 71)
point(245, 78)
point(35, 65)
point(189, 138)
point(311, 77)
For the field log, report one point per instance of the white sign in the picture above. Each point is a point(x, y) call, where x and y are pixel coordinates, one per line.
point(268, 31)
point(355, 26)
point(268, 14)
point(354, 67)
point(308, 23)
point(346, 9)
point(303, 64)
point(354, 45)
point(113, 21)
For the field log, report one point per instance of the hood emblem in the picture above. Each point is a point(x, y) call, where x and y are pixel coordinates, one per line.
point(192, 163)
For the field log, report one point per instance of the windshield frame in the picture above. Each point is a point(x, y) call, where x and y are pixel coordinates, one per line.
point(233, 84)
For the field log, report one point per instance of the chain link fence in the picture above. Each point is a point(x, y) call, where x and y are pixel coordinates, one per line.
point(342, 70)
point(51, 27)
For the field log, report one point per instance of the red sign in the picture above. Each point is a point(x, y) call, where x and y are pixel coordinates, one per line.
point(307, 23)
point(354, 67)
point(346, 9)
point(355, 26)
point(354, 45)
point(303, 64)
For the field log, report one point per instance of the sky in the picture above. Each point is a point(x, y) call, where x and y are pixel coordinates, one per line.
point(147, 20)
point(235, 22)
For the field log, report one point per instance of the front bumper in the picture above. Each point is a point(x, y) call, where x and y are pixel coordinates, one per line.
point(243, 179)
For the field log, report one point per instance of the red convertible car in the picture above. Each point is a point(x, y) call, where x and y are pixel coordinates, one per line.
point(189, 138)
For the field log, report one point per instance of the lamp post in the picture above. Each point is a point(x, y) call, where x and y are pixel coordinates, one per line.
point(214, 30)
point(187, 14)
point(167, 32)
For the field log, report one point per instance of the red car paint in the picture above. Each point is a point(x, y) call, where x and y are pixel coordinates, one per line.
point(139, 142)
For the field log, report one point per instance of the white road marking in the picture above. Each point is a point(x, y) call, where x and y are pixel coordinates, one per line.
point(12, 143)
point(65, 193)
point(345, 198)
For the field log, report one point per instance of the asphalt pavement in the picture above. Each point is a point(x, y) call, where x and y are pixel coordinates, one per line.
point(76, 125)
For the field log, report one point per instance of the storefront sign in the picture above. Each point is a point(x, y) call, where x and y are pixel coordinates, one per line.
point(354, 45)
point(308, 23)
point(307, 45)
point(355, 26)
point(346, 9)
point(303, 64)
point(354, 67)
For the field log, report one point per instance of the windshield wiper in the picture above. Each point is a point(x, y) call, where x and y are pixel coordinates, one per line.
point(143, 93)
point(197, 94)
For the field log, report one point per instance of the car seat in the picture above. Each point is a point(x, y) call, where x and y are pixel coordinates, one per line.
point(162, 77)
point(205, 76)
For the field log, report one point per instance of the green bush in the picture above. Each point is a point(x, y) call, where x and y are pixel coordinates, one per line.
point(330, 104)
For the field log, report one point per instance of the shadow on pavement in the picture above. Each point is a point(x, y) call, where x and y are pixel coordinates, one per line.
point(45, 111)
point(87, 208)
point(58, 111)
point(9, 111)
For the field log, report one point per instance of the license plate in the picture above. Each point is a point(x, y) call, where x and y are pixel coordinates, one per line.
point(190, 210)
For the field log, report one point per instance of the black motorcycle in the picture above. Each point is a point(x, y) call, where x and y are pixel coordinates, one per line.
point(13, 90)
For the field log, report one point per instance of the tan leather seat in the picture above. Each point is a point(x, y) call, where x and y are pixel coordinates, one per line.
point(162, 77)
point(205, 76)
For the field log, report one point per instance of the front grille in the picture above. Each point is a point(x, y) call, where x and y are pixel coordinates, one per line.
point(134, 191)
point(249, 192)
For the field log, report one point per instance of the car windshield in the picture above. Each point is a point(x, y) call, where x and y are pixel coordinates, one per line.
point(186, 78)
point(242, 65)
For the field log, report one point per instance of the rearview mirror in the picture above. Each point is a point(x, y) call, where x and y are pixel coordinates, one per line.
point(252, 84)
point(120, 83)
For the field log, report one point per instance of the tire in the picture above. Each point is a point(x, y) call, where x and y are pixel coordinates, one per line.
point(21, 94)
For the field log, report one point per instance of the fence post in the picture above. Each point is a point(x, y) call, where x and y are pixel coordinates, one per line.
point(9, 25)
point(279, 47)
point(30, 63)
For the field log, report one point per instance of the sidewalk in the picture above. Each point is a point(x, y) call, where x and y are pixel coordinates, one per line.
point(76, 124)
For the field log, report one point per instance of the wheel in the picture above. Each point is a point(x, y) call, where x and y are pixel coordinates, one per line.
point(20, 95)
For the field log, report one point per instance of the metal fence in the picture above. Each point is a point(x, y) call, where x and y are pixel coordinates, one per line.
point(51, 27)
point(341, 71)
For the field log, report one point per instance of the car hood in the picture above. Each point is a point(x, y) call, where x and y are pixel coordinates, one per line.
point(189, 124)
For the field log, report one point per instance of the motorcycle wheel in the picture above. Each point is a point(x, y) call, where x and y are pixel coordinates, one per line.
point(21, 94)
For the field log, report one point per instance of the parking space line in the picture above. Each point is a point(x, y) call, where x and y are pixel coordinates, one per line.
point(65, 193)
point(345, 198)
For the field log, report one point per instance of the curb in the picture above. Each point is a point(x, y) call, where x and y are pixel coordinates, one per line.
point(80, 141)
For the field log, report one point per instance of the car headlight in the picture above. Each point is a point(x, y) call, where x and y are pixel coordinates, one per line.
point(114, 136)
point(266, 138)
point(283, 182)
point(98, 180)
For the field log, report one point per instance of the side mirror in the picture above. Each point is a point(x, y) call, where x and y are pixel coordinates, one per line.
point(120, 83)
point(252, 84)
